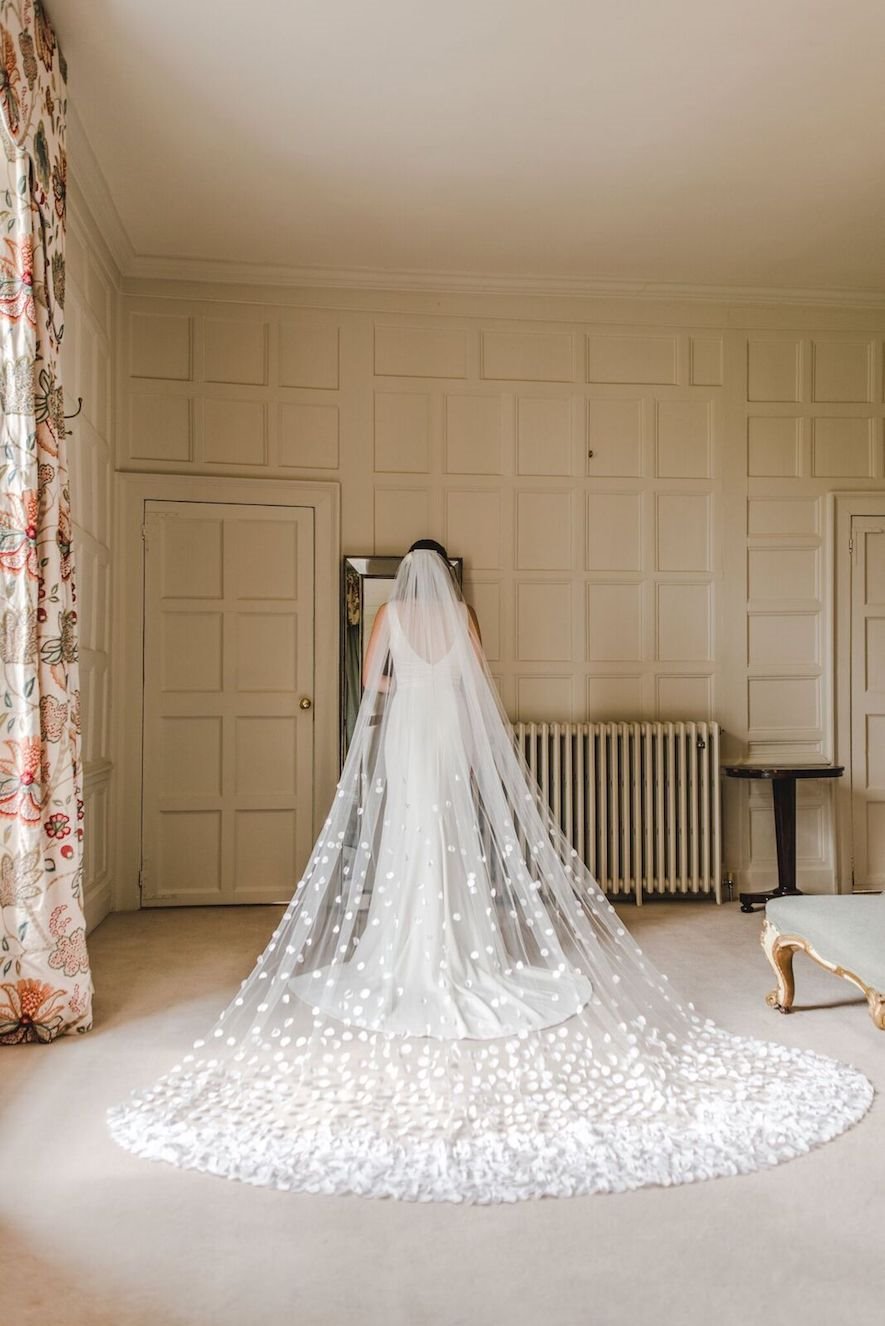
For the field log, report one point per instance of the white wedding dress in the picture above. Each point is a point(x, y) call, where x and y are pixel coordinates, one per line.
point(450, 1009)
point(430, 964)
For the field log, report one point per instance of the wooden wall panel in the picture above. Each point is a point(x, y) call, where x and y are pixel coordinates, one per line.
point(639, 496)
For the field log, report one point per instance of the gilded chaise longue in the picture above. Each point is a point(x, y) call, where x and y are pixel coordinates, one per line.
point(845, 934)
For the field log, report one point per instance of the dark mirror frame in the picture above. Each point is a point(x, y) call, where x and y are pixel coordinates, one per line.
point(355, 573)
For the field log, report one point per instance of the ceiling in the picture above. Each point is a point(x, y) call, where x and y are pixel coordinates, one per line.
point(725, 143)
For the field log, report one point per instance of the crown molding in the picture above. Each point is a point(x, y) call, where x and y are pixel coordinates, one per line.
point(89, 179)
point(151, 267)
point(81, 220)
point(96, 195)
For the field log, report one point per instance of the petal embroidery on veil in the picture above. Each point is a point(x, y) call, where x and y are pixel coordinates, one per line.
point(450, 1008)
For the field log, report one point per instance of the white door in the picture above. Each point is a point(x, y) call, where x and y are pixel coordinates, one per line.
point(228, 689)
point(868, 700)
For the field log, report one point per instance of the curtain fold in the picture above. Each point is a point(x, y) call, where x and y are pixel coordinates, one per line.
point(45, 981)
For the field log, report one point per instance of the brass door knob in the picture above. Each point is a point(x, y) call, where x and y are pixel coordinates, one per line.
point(305, 702)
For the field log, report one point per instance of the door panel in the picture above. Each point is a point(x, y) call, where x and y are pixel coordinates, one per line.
point(228, 656)
point(868, 700)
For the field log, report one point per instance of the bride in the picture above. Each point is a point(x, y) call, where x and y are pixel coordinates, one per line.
point(450, 1009)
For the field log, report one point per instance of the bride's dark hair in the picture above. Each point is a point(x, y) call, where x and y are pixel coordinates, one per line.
point(432, 546)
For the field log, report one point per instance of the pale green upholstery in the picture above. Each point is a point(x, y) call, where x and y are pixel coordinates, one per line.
point(845, 930)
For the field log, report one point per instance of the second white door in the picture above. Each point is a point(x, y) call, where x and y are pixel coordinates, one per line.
point(868, 701)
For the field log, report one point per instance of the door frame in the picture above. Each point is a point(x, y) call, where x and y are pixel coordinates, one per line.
point(133, 491)
point(843, 506)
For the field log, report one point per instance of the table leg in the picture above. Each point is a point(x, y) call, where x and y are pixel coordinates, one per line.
point(783, 791)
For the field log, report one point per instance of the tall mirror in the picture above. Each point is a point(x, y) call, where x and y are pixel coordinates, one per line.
point(366, 583)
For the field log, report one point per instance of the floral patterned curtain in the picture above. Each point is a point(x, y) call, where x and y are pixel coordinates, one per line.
point(45, 984)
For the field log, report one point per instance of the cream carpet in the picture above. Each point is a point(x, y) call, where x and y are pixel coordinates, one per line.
point(92, 1236)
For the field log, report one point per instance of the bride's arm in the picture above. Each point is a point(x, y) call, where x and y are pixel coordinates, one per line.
point(475, 636)
point(371, 663)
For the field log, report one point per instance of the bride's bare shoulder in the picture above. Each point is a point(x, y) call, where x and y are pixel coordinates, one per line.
point(378, 621)
point(473, 621)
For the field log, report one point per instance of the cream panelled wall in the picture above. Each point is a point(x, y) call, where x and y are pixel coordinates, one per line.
point(578, 475)
point(88, 354)
point(814, 426)
point(639, 490)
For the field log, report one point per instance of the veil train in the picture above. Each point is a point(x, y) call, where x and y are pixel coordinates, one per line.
point(450, 1008)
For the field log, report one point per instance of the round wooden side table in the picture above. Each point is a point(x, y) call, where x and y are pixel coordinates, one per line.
point(783, 778)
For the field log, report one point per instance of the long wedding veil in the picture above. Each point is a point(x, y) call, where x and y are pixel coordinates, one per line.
point(450, 1008)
